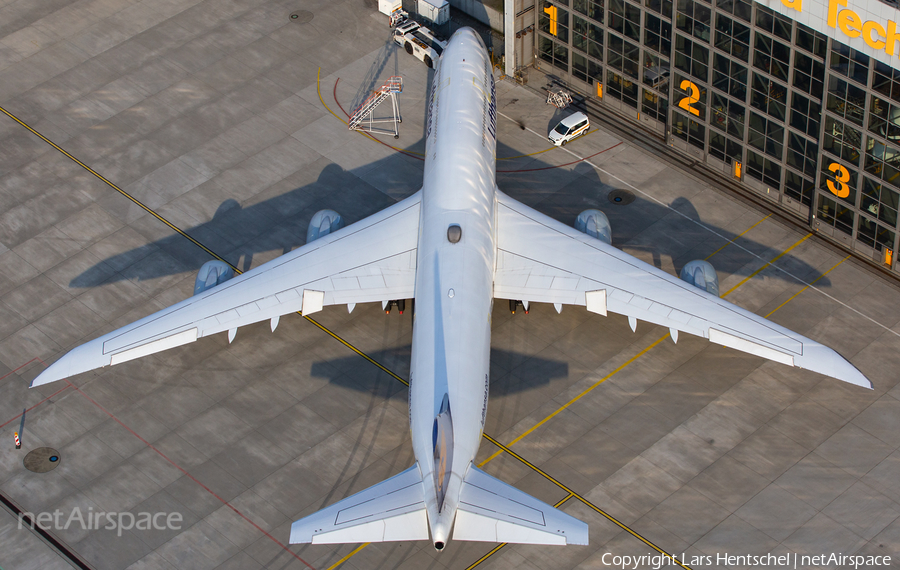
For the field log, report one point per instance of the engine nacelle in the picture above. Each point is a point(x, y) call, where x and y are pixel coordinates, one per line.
point(211, 274)
point(595, 224)
point(701, 274)
point(323, 223)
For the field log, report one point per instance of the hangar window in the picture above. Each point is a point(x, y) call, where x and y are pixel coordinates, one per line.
point(880, 201)
point(554, 21)
point(809, 74)
point(554, 53)
point(771, 56)
point(727, 116)
point(586, 70)
point(763, 169)
point(806, 115)
point(884, 118)
point(842, 141)
point(587, 37)
point(732, 37)
point(624, 56)
point(886, 80)
point(773, 22)
point(874, 235)
point(724, 148)
point(849, 63)
point(589, 8)
point(740, 8)
point(657, 34)
point(663, 7)
point(766, 135)
point(625, 19)
point(730, 77)
point(655, 106)
point(802, 154)
point(798, 187)
point(622, 88)
point(835, 214)
point(694, 19)
point(768, 96)
point(846, 100)
point(688, 130)
point(883, 161)
point(812, 41)
point(692, 58)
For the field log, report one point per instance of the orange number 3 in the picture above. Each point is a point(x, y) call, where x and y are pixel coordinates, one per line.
point(843, 176)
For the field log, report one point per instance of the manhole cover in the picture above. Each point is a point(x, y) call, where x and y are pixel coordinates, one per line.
point(621, 197)
point(301, 16)
point(41, 460)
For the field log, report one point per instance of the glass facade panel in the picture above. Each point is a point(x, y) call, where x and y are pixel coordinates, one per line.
point(768, 96)
point(622, 88)
point(883, 161)
point(846, 100)
point(849, 63)
point(835, 214)
point(692, 58)
point(733, 37)
point(586, 69)
point(693, 18)
point(623, 55)
point(806, 115)
point(842, 141)
point(730, 77)
point(798, 187)
point(625, 18)
point(688, 129)
point(587, 37)
point(657, 34)
point(763, 169)
point(591, 8)
point(771, 56)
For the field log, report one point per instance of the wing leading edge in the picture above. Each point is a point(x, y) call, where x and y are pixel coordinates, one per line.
point(371, 260)
point(542, 260)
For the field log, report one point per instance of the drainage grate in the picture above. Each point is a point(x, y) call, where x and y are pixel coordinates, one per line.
point(621, 197)
point(41, 460)
point(301, 16)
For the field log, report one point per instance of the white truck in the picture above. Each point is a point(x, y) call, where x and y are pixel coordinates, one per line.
point(419, 41)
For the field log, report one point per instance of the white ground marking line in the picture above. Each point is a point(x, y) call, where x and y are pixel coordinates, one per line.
point(710, 230)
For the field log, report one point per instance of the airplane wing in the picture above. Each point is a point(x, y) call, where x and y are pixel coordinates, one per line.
point(542, 260)
point(371, 260)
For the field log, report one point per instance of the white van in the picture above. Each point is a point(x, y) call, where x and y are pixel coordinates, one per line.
point(571, 127)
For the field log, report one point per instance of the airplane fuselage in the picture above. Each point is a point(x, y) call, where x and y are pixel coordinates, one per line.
point(454, 277)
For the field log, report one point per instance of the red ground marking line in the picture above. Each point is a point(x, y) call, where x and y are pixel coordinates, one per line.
point(194, 479)
point(23, 366)
point(334, 93)
point(17, 416)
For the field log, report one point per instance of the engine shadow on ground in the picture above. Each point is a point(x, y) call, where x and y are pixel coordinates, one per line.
point(278, 224)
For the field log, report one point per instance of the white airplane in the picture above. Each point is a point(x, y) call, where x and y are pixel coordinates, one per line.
point(454, 247)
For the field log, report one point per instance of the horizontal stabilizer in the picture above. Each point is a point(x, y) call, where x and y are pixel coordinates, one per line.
point(391, 510)
point(492, 511)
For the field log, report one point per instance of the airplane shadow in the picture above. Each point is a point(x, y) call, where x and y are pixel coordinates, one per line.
point(278, 224)
point(508, 375)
